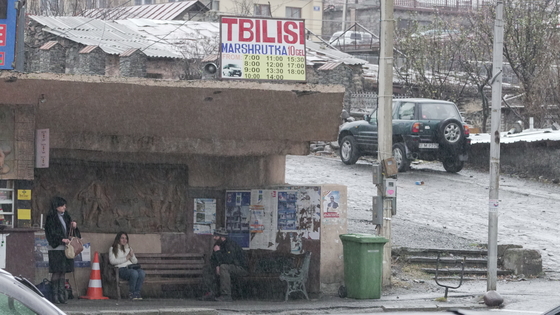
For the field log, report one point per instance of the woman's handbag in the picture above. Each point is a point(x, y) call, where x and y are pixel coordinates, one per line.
point(134, 266)
point(74, 247)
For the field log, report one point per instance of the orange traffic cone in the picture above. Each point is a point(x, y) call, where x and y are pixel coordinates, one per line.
point(95, 291)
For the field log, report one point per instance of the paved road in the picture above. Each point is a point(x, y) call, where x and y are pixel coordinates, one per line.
point(448, 207)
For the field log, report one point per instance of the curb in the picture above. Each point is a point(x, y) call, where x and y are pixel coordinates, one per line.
point(163, 311)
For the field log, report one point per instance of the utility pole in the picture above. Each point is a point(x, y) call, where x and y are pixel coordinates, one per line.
point(385, 132)
point(344, 16)
point(20, 30)
point(493, 203)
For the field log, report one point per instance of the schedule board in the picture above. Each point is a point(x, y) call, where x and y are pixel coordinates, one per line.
point(262, 49)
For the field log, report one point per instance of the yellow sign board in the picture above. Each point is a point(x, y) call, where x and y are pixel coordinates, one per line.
point(24, 194)
point(24, 214)
point(274, 67)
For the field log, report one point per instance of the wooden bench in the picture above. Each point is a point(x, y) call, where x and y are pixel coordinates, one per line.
point(164, 269)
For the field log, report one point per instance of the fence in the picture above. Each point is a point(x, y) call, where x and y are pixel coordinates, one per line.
point(445, 5)
point(365, 102)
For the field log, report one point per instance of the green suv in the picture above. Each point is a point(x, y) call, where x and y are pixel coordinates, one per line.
point(422, 129)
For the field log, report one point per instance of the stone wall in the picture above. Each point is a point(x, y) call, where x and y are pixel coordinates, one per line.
point(133, 65)
point(347, 75)
point(538, 160)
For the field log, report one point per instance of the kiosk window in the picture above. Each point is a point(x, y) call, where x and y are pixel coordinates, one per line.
point(3, 9)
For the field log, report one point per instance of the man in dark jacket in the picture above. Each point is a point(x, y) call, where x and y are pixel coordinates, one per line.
point(228, 259)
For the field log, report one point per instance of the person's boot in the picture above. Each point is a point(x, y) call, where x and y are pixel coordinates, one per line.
point(54, 292)
point(62, 291)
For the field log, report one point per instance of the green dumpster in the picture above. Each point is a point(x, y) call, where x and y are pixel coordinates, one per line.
point(363, 265)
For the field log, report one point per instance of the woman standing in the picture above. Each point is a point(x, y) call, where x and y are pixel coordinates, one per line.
point(57, 230)
point(122, 256)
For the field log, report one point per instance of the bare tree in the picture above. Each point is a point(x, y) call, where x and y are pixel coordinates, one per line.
point(530, 29)
point(428, 62)
point(243, 7)
point(475, 62)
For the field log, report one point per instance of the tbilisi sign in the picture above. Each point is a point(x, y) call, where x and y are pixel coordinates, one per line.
point(262, 48)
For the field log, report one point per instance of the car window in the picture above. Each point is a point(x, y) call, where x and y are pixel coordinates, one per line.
point(373, 118)
point(9, 306)
point(406, 111)
point(357, 36)
point(439, 111)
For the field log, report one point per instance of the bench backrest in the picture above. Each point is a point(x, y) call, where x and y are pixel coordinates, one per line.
point(172, 265)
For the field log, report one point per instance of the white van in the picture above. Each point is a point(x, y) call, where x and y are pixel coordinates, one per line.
point(351, 38)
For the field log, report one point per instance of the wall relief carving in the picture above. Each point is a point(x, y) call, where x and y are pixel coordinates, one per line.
point(109, 197)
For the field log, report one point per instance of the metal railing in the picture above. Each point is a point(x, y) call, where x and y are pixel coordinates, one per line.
point(446, 5)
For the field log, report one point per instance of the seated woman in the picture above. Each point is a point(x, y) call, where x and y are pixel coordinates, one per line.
point(122, 256)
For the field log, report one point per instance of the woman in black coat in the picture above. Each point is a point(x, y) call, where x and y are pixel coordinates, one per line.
point(57, 229)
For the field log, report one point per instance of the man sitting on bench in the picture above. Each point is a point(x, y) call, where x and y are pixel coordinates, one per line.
point(228, 259)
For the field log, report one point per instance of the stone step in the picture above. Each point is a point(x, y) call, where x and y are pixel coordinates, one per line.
point(479, 261)
point(406, 251)
point(468, 271)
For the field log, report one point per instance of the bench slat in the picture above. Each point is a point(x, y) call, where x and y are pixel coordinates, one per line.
point(147, 266)
point(175, 255)
point(143, 261)
point(174, 272)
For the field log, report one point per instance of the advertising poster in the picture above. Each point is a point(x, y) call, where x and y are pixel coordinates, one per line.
point(41, 253)
point(238, 216)
point(331, 202)
point(262, 48)
point(287, 211)
point(263, 219)
point(204, 215)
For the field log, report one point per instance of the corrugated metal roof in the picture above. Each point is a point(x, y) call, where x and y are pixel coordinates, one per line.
point(164, 38)
point(322, 53)
point(163, 11)
point(210, 58)
point(48, 45)
point(111, 37)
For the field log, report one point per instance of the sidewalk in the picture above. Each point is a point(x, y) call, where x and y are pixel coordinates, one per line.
point(535, 295)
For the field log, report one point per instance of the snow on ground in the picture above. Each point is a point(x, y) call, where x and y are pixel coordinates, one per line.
point(449, 210)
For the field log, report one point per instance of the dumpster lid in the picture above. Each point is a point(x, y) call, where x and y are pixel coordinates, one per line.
point(363, 238)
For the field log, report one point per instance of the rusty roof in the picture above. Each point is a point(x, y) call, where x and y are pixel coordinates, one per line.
point(88, 49)
point(49, 45)
point(329, 65)
point(128, 52)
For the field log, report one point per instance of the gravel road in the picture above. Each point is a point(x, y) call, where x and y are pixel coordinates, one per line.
point(448, 210)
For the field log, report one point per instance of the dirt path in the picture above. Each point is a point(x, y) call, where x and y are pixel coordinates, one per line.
point(449, 210)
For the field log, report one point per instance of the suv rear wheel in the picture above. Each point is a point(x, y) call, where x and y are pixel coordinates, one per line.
point(349, 150)
point(399, 153)
point(452, 164)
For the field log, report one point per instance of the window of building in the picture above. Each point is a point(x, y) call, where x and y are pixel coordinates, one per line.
point(7, 202)
point(262, 10)
point(215, 5)
point(141, 2)
point(293, 13)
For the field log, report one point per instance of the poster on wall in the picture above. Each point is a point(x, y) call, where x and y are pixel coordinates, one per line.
point(7, 143)
point(41, 253)
point(331, 201)
point(204, 215)
point(287, 212)
point(263, 219)
point(238, 216)
point(299, 215)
